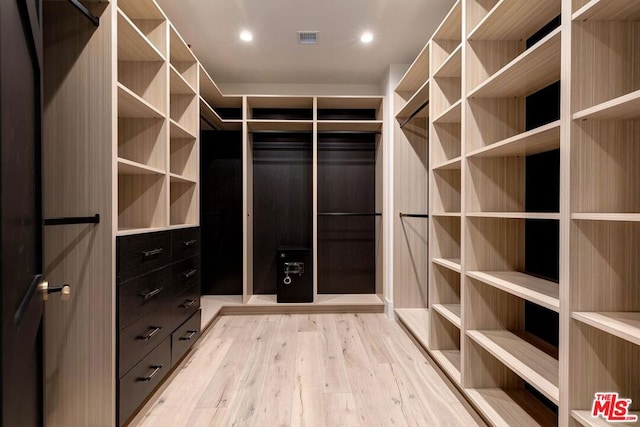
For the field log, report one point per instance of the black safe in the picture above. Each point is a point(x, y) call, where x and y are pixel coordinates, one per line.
point(295, 274)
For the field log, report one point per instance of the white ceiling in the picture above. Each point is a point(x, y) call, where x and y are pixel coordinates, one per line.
point(212, 27)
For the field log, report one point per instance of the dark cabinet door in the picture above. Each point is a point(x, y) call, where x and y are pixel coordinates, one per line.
point(20, 211)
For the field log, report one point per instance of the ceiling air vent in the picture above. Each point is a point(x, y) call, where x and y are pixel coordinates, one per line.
point(307, 37)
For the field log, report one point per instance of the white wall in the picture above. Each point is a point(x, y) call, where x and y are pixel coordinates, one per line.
point(299, 89)
point(394, 74)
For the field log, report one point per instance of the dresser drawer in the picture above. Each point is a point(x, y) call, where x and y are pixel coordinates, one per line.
point(184, 337)
point(142, 295)
point(140, 381)
point(185, 274)
point(139, 338)
point(185, 243)
point(142, 253)
point(185, 304)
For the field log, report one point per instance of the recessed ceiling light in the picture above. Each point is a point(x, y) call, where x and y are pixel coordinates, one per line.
point(366, 37)
point(246, 36)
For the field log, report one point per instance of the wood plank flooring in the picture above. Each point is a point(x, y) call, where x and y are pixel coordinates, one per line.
point(307, 370)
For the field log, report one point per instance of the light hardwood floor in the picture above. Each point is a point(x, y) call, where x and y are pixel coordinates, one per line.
point(307, 370)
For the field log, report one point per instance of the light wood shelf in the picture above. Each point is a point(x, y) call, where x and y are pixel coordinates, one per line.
point(176, 178)
point(625, 325)
point(280, 125)
point(350, 125)
point(213, 119)
point(530, 363)
point(141, 9)
point(210, 92)
point(539, 140)
point(179, 132)
point(183, 157)
point(584, 418)
point(451, 312)
point(453, 164)
point(130, 105)
point(183, 201)
point(506, 408)
point(614, 217)
point(179, 51)
point(534, 69)
point(133, 45)
point(451, 263)
point(419, 98)
point(515, 19)
point(276, 101)
point(621, 108)
point(539, 291)
point(452, 66)
point(453, 114)
point(416, 76)
point(347, 102)
point(451, 26)
point(449, 361)
point(129, 167)
point(608, 10)
point(179, 86)
point(515, 215)
point(447, 214)
point(416, 320)
point(323, 302)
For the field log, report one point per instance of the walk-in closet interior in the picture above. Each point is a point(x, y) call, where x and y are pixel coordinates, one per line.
point(489, 203)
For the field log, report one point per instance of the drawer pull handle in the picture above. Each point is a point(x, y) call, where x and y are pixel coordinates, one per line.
point(190, 273)
point(152, 253)
point(153, 330)
point(189, 243)
point(188, 303)
point(188, 338)
point(151, 294)
point(149, 377)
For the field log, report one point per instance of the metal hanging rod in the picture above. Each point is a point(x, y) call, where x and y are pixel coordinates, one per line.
point(415, 113)
point(94, 19)
point(404, 215)
point(73, 220)
point(349, 214)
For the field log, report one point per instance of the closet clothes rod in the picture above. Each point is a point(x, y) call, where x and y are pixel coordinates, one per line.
point(349, 214)
point(404, 215)
point(73, 220)
point(415, 113)
point(90, 16)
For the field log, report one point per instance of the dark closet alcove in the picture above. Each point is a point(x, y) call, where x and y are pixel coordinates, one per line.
point(221, 212)
point(346, 184)
point(282, 201)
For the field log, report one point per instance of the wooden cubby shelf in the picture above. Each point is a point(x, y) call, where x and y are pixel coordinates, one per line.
point(530, 363)
point(538, 140)
point(280, 125)
point(180, 52)
point(451, 27)
point(452, 66)
point(133, 45)
point(450, 263)
point(449, 361)
point(451, 312)
point(179, 132)
point(416, 75)
point(176, 178)
point(625, 325)
point(539, 291)
point(608, 10)
point(515, 215)
point(179, 86)
point(131, 105)
point(419, 98)
point(453, 114)
point(586, 419)
point(350, 125)
point(621, 108)
point(515, 19)
point(447, 214)
point(453, 164)
point(213, 119)
point(128, 167)
point(534, 69)
point(511, 407)
point(614, 217)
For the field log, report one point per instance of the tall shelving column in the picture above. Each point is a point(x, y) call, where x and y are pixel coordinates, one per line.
point(604, 274)
point(512, 56)
point(445, 321)
point(142, 117)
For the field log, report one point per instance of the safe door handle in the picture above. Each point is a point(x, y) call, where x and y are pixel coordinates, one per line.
point(152, 253)
point(153, 331)
point(151, 294)
point(156, 369)
point(188, 338)
point(190, 273)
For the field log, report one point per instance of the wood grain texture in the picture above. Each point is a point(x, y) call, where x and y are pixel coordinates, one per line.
point(612, 10)
point(264, 371)
point(78, 171)
point(143, 141)
point(416, 75)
